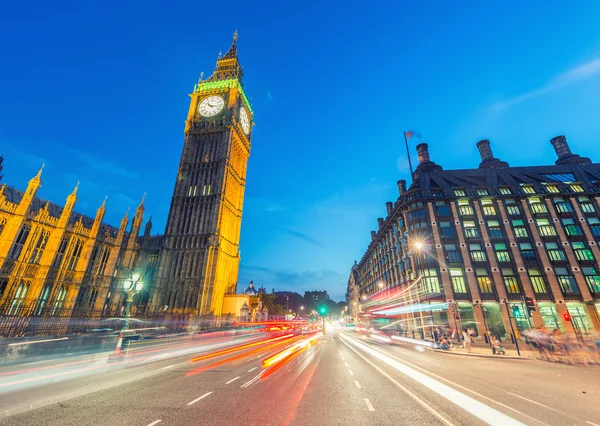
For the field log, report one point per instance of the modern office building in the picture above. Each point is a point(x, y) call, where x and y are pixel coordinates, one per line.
point(485, 239)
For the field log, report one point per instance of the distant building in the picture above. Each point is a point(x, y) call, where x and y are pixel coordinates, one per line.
point(353, 291)
point(484, 239)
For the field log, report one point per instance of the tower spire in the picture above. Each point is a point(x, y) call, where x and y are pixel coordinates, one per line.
point(232, 52)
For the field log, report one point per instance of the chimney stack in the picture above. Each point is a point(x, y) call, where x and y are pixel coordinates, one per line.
point(373, 235)
point(564, 154)
point(484, 150)
point(487, 158)
point(401, 187)
point(380, 222)
point(389, 206)
point(423, 153)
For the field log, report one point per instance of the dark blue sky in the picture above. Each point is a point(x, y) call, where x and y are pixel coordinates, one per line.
point(98, 91)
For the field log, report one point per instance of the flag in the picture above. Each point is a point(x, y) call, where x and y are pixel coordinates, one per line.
point(407, 135)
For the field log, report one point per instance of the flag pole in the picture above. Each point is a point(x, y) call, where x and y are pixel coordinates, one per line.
point(408, 154)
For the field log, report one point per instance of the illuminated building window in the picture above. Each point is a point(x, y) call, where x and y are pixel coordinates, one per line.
point(594, 225)
point(465, 208)
point(502, 252)
point(101, 267)
point(192, 191)
point(581, 251)
point(15, 250)
point(458, 280)
point(510, 280)
point(206, 190)
point(471, 231)
point(545, 228)
point(482, 191)
point(43, 299)
point(592, 279)
point(459, 192)
point(586, 205)
point(60, 299)
point(92, 298)
point(562, 205)
point(552, 189)
point(555, 253)
point(519, 228)
point(571, 228)
point(513, 210)
point(484, 281)
point(18, 298)
point(488, 208)
point(566, 281)
point(505, 191)
point(575, 187)
point(537, 205)
point(477, 254)
point(431, 283)
point(528, 189)
point(537, 281)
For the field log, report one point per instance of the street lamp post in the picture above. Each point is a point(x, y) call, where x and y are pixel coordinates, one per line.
point(132, 286)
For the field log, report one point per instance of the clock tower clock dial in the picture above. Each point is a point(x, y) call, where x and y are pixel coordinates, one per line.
point(244, 120)
point(211, 106)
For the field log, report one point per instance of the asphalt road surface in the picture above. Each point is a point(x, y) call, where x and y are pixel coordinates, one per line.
point(341, 379)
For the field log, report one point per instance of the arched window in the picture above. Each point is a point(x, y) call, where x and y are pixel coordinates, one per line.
point(19, 298)
point(92, 297)
point(43, 299)
point(60, 300)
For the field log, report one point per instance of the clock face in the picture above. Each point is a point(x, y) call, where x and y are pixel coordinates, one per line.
point(211, 106)
point(244, 120)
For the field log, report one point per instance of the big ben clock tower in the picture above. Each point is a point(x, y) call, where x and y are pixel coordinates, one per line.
point(200, 257)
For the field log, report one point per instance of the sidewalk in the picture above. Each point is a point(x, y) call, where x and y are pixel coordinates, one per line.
point(481, 351)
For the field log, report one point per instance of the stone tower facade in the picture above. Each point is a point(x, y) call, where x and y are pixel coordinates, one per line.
point(200, 257)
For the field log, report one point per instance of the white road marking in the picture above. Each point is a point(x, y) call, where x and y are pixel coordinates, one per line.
point(252, 369)
point(168, 367)
point(357, 384)
point(537, 403)
point(199, 398)
point(591, 423)
point(351, 373)
point(369, 405)
point(471, 405)
point(155, 422)
point(409, 393)
point(232, 380)
point(346, 364)
point(343, 359)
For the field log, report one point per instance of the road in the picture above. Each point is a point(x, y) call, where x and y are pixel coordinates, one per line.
point(341, 379)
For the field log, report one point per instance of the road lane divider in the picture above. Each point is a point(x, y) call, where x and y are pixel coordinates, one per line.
point(155, 422)
point(199, 398)
point(232, 380)
point(357, 384)
point(476, 408)
point(369, 405)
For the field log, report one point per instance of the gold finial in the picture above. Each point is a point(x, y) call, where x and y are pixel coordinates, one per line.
point(143, 198)
point(200, 78)
point(235, 35)
point(220, 54)
point(39, 174)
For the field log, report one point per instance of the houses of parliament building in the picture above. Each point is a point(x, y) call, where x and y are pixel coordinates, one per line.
point(55, 262)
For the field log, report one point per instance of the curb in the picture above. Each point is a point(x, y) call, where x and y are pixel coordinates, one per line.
point(480, 355)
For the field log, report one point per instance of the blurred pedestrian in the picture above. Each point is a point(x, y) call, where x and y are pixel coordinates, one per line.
point(466, 340)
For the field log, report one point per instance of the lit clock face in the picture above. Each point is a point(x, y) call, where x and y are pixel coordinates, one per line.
point(211, 106)
point(244, 120)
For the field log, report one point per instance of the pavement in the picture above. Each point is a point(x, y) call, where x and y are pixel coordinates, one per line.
point(341, 379)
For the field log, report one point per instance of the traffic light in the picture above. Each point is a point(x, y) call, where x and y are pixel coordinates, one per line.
point(567, 316)
point(516, 312)
point(530, 306)
point(323, 310)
